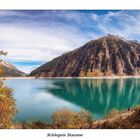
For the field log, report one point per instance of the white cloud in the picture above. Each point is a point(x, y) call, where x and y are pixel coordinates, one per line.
point(94, 16)
point(38, 44)
point(108, 17)
point(27, 69)
point(122, 23)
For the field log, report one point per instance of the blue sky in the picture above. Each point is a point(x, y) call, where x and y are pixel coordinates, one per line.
point(32, 38)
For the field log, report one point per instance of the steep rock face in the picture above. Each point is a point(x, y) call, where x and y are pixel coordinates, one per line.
point(107, 56)
point(8, 70)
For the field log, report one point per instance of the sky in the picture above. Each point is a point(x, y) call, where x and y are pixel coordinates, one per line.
point(33, 38)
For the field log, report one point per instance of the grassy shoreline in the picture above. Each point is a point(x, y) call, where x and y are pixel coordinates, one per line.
point(7, 78)
point(103, 77)
point(66, 119)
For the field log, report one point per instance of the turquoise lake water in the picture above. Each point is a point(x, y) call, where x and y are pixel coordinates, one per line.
point(37, 99)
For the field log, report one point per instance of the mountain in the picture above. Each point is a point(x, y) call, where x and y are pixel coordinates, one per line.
point(109, 55)
point(9, 70)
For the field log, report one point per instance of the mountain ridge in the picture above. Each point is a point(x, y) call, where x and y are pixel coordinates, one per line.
point(8, 70)
point(109, 55)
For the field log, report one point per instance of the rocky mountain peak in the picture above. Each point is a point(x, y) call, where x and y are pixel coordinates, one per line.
point(106, 56)
point(10, 70)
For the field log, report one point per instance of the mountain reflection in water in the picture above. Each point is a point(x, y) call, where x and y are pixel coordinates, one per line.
point(98, 96)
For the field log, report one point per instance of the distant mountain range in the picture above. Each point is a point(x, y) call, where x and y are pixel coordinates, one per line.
point(10, 70)
point(107, 56)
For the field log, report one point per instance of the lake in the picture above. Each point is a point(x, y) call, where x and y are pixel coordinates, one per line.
point(37, 99)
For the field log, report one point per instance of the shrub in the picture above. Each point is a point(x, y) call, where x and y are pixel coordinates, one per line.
point(7, 103)
point(7, 107)
point(66, 118)
point(113, 113)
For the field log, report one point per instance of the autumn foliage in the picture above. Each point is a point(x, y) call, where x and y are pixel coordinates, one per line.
point(66, 118)
point(7, 103)
point(7, 107)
